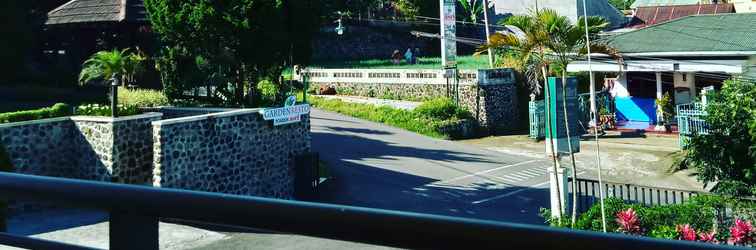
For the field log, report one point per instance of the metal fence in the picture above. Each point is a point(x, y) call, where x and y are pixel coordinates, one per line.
point(691, 121)
point(136, 210)
point(537, 119)
point(588, 193)
point(537, 116)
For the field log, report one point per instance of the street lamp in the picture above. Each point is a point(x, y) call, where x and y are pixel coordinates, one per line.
point(114, 83)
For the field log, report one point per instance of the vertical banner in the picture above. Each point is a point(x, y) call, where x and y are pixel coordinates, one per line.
point(448, 33)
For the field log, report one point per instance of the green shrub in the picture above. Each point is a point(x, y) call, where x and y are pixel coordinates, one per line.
point(141, 97)
point(104, 110)
point(725, 155)
point(57, 110)
point(442, 109)
point(664, 232)
point(591, 219)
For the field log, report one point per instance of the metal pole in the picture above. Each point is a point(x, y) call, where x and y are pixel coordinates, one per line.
point(593, 112)
point(488, 34)
point(114, 96)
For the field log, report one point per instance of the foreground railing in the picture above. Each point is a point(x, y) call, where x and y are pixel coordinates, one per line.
point(135, 211)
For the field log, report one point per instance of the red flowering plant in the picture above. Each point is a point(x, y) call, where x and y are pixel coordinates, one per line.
point(628, 222)
point(707, 237)
point(742, 233)
point(686, 232)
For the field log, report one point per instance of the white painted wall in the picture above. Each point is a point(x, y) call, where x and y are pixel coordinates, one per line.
point(689, 82)
point(570, 8)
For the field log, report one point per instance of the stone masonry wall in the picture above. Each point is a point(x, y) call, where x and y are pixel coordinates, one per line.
point(493, 106)
point(41, 147)
point(234, 152)
point(489, 94)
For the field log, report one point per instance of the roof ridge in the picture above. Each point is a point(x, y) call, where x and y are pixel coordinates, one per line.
point(60, 7)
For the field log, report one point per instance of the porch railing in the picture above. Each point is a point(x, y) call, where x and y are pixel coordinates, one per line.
point(691, 121)
point(136, 210)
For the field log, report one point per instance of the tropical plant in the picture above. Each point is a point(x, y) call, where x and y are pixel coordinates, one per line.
point(666, 108)
point(472, 10)
point(105, 65)
point(686, 232)
point(742, 233)
point(725, 155)
point(628, 222)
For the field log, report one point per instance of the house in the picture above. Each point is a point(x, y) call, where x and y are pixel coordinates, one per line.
point(679, 57)
point(744, 6)
point(652, 3)
point(570, 8)
point(79, 28)
point(650, 15)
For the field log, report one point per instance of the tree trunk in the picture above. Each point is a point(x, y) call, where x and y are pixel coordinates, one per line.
point(569, 146)
point(547, 109)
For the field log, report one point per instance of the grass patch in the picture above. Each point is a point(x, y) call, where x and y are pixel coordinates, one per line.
point(463, 62)
point(424, 123)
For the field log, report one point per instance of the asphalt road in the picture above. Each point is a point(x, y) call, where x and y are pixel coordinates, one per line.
point(378, 166)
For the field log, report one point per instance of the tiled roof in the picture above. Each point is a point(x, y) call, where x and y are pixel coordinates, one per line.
point(90, 11)
point(646, 3)
point(722, 32)
point(659, 14)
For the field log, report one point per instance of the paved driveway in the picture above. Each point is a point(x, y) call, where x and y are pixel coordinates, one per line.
point(378, 166)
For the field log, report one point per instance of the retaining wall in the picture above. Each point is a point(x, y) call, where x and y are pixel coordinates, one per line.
point(490, 95)
point(234, 152)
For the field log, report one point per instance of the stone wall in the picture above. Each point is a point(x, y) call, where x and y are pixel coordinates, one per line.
point(490, 95)
point(80, 148)
point(235, 152)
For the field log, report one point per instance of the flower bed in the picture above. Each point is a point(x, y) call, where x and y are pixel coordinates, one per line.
point(711, 219)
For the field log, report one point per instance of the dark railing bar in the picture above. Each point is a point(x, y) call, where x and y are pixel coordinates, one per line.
point(372, 226)
point(37, 243)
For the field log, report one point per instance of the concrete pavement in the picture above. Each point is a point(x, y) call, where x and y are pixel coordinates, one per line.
point(378, 166)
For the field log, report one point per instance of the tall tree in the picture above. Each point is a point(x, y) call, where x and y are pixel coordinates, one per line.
point(248, 39)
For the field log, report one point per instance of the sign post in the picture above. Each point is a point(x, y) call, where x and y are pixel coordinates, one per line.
point(557, 115)
point(449, 47)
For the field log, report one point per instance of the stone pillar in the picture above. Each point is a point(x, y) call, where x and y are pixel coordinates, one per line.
point(685, 87)
point(562, 174)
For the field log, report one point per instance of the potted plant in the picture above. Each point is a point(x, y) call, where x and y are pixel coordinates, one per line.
point(665, 111)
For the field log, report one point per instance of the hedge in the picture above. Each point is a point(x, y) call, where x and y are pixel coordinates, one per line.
point(57, 110)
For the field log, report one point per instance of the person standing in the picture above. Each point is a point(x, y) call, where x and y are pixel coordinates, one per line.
point(408, 56)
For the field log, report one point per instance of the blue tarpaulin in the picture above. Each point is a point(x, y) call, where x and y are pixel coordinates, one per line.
point(636, 109)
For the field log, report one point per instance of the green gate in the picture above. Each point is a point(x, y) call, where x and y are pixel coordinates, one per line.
point(691, 121)
point(537, 119)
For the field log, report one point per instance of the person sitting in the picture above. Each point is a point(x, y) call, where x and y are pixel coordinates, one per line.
point(396, 57)
point(409, 57)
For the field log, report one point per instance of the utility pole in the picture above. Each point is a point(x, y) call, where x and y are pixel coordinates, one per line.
point(488, 34)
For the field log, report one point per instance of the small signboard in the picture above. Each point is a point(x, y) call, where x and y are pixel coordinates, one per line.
point(285, 115)
point(448, 33)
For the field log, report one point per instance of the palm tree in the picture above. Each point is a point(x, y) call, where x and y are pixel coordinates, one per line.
point(525, 48)
point(558, 42)
point(116, 64)
point(472, 8)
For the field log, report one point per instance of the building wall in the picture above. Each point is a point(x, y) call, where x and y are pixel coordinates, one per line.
point(744, 6)
point(570, 8)
point(235, 152)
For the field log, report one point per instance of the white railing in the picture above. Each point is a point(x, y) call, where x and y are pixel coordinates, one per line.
point(407, 76)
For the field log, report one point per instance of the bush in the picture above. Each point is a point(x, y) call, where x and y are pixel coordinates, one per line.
point(442, 109)
point(57, 110)
point(141, 97)
point(104, 110)
point(726, 155)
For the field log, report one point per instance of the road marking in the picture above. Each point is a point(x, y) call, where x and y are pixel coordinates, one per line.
point(486, 171)
point(510, 193)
